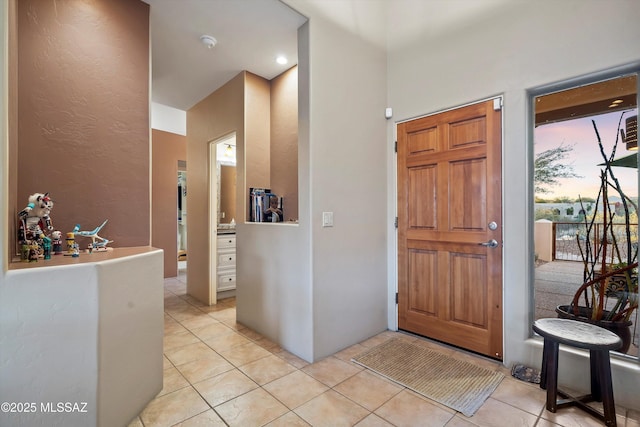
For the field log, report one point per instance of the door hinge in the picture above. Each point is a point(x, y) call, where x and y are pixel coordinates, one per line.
point(395, 222)
point(396, 298)
point(395, 148)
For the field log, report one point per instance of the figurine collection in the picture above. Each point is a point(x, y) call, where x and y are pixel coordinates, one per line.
point(38, 239)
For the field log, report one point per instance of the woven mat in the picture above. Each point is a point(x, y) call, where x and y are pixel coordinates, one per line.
point(455, 383)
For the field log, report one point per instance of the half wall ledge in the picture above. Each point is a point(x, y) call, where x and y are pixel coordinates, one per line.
point(84, 330)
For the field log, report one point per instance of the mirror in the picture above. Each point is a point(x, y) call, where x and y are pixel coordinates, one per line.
point(226, 174)
point(227, 193)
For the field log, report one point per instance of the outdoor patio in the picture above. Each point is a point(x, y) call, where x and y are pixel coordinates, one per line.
point(556, 283)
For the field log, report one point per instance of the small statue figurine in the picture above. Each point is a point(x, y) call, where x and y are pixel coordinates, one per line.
point(76, 250)
point(24, 252)
point(34, 251)
point(35, 218)
point(34, 223)
point(98, 243)
point(57, 242)
point(71, 243)
point(46, 247)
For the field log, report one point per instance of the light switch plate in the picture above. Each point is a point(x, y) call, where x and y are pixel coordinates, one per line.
point(327, 219)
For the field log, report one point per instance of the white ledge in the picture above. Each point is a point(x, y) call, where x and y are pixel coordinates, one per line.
point(84, 330)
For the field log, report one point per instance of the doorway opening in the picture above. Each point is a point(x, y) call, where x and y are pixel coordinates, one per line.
point(182, 217)
point(222, 217)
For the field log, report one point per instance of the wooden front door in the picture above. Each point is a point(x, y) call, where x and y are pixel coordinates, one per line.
point(450, 227)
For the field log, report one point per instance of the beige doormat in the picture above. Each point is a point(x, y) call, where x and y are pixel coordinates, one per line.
point(455, 383)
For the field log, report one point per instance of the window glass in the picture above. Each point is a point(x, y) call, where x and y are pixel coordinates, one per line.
point(585, 207)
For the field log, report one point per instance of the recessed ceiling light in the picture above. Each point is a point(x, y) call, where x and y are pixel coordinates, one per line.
point(281, 60)
point(208, 41)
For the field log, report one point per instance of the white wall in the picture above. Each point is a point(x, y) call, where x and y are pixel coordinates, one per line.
point(329, 283)
point(273, 268)
point(168, 119)
point(522, 46)
point(348, 152)
point(62, 340)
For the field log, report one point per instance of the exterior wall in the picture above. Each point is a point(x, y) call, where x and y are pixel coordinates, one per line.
point(543, 240)
point(284, 140)
point(167, 149)
point(536, 48)
point(217, 115)
point(83, 114)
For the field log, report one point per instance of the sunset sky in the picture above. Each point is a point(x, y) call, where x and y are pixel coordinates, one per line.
point(586, 156)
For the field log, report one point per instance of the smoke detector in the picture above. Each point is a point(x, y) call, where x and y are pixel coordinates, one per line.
point(208, 41)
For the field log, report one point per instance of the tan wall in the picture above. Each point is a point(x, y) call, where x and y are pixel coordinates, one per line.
point(219, 114)
point(83, 114)
point(284, 140)
point(543, 239)
point(167, 149)
point(258, 117)
point(215, 116)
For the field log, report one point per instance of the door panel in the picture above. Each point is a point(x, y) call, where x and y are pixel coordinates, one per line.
point(422, 210)
point(467, 204)
point(449, 190)
point(423, 273)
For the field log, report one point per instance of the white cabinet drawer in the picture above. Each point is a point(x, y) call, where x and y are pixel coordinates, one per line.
point(226, 259)
point(226, 282)
point(226, 241)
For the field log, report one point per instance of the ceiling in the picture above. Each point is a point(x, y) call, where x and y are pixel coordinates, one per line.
point(252, 33)
point(617, 94)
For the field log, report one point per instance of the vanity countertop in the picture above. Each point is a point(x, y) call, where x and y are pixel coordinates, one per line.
point(226, 231)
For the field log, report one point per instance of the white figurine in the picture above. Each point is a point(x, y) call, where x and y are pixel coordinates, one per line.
point(35, 217)
point(99, 245)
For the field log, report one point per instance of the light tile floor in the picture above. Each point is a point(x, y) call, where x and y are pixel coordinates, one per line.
point(220, 373)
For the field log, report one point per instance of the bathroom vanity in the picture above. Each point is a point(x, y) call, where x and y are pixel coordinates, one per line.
point(226, 265)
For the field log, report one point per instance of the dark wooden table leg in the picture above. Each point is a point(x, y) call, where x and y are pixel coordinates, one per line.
point(551, 362)
point(606, 387)
point(543, 370)
point(595, 367)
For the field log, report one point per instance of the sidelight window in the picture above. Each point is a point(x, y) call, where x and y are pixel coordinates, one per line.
point(585, 188)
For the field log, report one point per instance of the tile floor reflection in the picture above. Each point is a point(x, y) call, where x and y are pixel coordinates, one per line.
point(219, 373)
